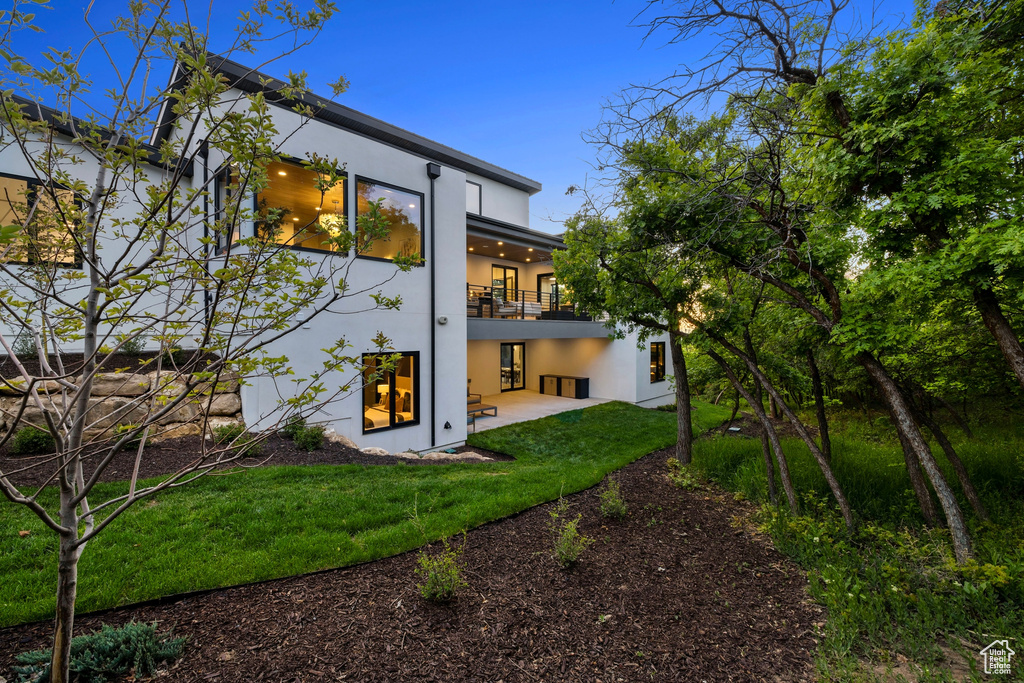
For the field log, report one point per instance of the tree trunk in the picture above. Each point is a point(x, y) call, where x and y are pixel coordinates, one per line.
point(67, 590)
point(819, 406)
point(684, 421)
point(773, 407)
point(735, 409)
point(766, 448)
point(958, 465)
point(768, 432)
point(904, 420)
point(917, 482)
point(961, 421)
point(999, 326)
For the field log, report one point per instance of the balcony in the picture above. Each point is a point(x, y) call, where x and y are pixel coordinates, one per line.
point(484, 301)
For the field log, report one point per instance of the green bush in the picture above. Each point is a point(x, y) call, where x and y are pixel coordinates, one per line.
point(682, 476)
point(24, 346)
point(240, 440)
point(310, 438)
point(612, 505)
point(441, 573)
point(568, 543)
point(31, 441)
point(293, 426)
point(105, 655)
point(132, 346)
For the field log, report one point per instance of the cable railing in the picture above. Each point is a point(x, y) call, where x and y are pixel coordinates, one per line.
point(486, 301)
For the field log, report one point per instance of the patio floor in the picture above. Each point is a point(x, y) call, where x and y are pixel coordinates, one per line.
point(520, 406)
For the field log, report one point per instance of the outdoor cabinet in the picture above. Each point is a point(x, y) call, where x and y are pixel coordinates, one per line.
point(561, 385)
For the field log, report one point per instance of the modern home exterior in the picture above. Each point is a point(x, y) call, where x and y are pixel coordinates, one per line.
point(484, 313)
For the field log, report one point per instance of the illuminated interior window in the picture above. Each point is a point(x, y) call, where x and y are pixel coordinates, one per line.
point(294, 213)
point(657, 361)
point(49, 236)
point(402, 211)
point(390, 399)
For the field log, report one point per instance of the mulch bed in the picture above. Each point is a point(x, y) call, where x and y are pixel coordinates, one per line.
point(682, 590)
point(171, 455)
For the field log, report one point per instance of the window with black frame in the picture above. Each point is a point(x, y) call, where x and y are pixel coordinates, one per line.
point(402, 214)
point(657, 362)
point(52, 214)
point(294, 213)
point(390, 398)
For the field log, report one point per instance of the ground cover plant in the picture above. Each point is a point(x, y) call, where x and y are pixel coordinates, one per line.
point(281, 521)
point(892, 588)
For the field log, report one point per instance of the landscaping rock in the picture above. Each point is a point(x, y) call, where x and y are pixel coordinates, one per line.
point(223, 404)
point(335, 437)
point(174, 431)
point(119, 384)
point(373, 450)
point(228, 384)
point(468, 456)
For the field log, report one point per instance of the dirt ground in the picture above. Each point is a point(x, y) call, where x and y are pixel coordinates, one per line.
point(682, 590)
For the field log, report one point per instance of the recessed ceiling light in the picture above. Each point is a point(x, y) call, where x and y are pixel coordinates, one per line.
point(318, 208)
point(471, 248)
point(500, 243)
point(530, 249)
point(296, 220)
point(412, 206)
point(500, 254)
point(527, 260)
point(282, 173)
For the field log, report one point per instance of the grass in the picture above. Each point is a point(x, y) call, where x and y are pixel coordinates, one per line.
point(281, 521)
point(893, 587)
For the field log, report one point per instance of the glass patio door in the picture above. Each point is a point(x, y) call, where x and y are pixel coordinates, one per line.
point(513, 366)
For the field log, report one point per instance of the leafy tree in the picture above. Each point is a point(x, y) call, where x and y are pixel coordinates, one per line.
point(155, 263)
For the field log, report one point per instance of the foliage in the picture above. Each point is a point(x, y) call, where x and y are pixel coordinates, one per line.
point(293, 427)
point(310, 437)
point(441, 572)
point(109, 654)
point(240, 440)
point(683, 476)
point(31, 441)
point(24, 346)
point(892, 588)
point(132, 443)
point(612, 505)
point(132, 345)
point(566, 540)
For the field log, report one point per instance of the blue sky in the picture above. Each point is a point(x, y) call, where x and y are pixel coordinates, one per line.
point(512, 83)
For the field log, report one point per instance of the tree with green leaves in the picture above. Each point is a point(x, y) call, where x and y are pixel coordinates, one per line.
point(152, 262)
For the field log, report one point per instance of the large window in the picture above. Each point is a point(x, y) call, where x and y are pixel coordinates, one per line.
point(294, 213)
point(402, 213)
point(657, 361)
point(391, 399)
point(505, 282)
point(49, 237)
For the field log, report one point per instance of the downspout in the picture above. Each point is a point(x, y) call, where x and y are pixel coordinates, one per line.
point(433, 172)
point(204, 152)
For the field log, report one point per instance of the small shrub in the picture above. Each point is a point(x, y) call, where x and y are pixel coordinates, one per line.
point(174, 357)
point(133, 443)
point(132, 346)
point(612, 505)
point(293, 426)
point(682, 476)
point(567, 540)
point(111, 653)
point(24, 346)
point(31, 441)
point(310, 438)
point(240, 440)
point(441, 573)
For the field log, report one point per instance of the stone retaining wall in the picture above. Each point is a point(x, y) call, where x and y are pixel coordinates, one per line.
point(127, 398)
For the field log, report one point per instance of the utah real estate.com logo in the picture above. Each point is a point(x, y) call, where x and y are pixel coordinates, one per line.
point(997, 657)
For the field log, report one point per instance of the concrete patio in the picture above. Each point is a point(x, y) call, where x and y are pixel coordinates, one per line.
point(520, 406)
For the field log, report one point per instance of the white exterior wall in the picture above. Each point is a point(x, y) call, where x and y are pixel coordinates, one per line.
point(658, 393)
point(408, 328)
point(501, 202)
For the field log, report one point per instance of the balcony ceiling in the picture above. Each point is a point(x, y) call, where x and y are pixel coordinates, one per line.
point(489, 247)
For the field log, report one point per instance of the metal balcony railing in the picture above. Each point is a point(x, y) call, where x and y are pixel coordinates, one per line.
point(485, 301)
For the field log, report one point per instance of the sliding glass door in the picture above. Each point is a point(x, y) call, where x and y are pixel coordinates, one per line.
point(513, 366)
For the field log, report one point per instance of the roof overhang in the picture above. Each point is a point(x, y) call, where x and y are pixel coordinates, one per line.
point(249, 80)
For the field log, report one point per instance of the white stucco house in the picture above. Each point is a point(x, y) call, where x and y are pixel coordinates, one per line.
point(484, 311)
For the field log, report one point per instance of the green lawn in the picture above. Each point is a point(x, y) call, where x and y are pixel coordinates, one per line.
point(281, 521)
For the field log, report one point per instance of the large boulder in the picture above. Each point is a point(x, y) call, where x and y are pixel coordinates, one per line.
point(120, 384)
point(373, 450)
point(222, 404)
point(334, 437)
